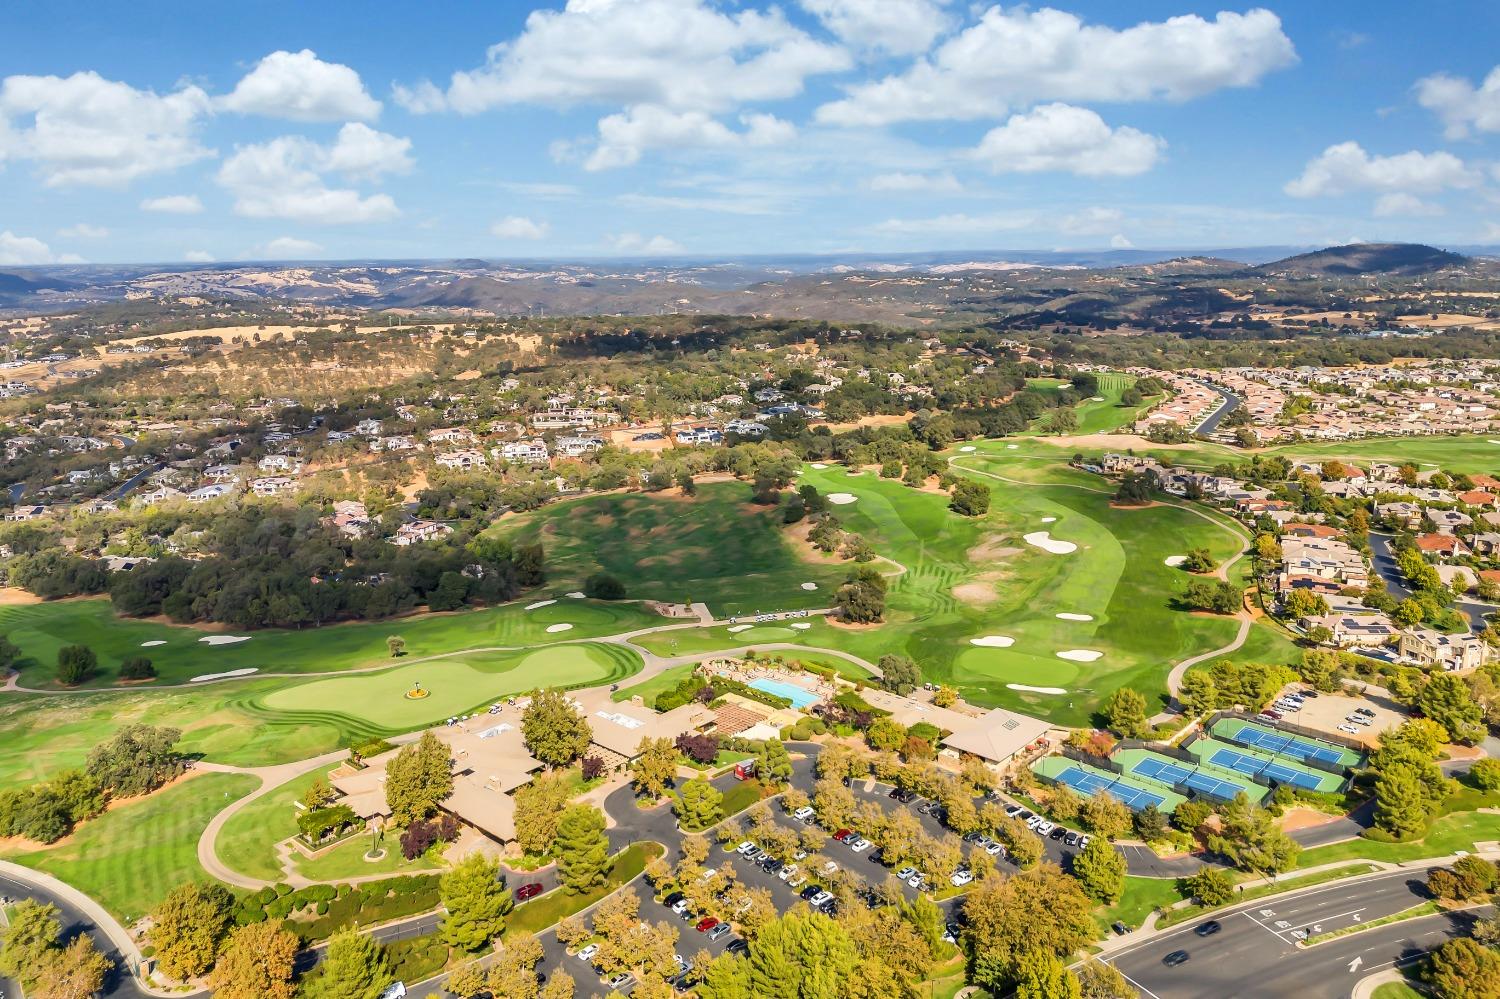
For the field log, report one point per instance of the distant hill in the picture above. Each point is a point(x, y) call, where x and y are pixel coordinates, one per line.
point(1399, 259)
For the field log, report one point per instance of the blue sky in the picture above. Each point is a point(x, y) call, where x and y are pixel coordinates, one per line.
point(152, 131)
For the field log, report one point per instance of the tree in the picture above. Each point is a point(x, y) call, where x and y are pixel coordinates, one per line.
point(885, 734)
point(27, 941)
point(1304, 603)
point(728, 977)
point(539, 805)
point(257, 963)
point(1485, 774)
point(137, 760)
point(603, 586)
point(804, 955)
point(1135, 488)
point(700, 804)
point(1251, 839)
point(467, 980)
point(476, 900)
point(1401, 807)
point(559, 986)
point(1150, 823)
point(1040, 910)
point(556, 732)
point(355, 967)
point(420, 776)
point(773, 764)
point(1105, 816)
point(1097, 980)
point(1463, 969)
point(73, 972)
point(396, 646)
point(137, 668)
point(1211, 886)
point(1125, 713)
point(1100, 868)
point(1217, 596)
point(970, 498)
point(582, 849)
point(654, 767)
point(945, 696)
point(75, 664)
point(899, 674)
point(1446, 699)
point(189, 925)
point(1040, 975)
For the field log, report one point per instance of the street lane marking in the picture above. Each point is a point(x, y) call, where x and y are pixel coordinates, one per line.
point(1137, 984)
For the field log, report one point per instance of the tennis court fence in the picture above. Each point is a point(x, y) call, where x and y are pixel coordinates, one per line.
point(1188, 759)
point(1290, 728)
point(1092, 759)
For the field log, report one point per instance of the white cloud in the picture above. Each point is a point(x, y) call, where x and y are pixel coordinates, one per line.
point(83, 231)
point(198, 257)
point(1093, 221)
point(288, 248)
point(173, 204)
point(1119, 241)
point(1346, 168)
point(539, 189)
point(519, 227)
point(899, 27)
point(84, 129)
point(624, 137)
point(283, 178)
point(1401, 203)
point(21, 251)
point(635, 244)
point(903, 182)
point(1016, 57)
point(301, 87)
point(959, 223)
point(1461, 105)
point(1063, 138)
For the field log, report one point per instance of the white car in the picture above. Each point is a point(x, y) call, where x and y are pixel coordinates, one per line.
point(860, 845)
point(803, 814)
point(961, 878)
point(1044, 827)
point(1034, 821)
point(797, 882)
point(396, 990)
point(830, 867)
point(800, 855)
point(906, 872)
point(1350, 729)
point(821, 898)
point(915, 880)
point(680, 906)
point(587, 954)
point(1083, 841)
point(786, 872)
point(744, 848)
point(995, 849)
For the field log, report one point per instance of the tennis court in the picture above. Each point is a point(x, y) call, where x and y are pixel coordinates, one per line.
point(1089, 783)
point(1270, 769)
point(1156, 768)
point(1281, 744)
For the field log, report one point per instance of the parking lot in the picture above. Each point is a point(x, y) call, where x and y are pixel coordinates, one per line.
point(1327, 712)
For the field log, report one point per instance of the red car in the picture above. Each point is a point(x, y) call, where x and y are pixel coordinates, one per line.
point(707, 924)
point(528, 891)
point(841, 834)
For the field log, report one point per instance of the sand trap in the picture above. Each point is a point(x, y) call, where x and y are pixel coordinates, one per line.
point(1036, 690)
point(575, 595)
point(968, 447)
point(842, 499)
point(553, 629)
point(1047, 543)
point(224, 639)
point(1494, 442)
point(152, 645)
point(993, 641)
point(1175, 560)
point(224, 676)
point(1080, 655)
point(1013, 447)
point(801, 625)
point(1096, 398)
point(540, 603)
point(1065, 616)
point(1049, 520)
point(819, 464)
point(809, 586)
point(739, 628)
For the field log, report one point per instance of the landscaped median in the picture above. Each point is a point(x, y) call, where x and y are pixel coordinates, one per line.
point(551, 908)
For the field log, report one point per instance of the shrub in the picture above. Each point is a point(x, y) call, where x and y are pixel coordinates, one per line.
point(137, 668)
point(603, 586)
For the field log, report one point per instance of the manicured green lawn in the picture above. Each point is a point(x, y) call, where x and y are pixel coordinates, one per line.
point(1459, 831)
point(129, 858)
point(1142, 897)
point(662, 682)
point(454, 686)
point(540, 913)
point(1397, 990)
point(715, 547)
point(347, 860)
point(245, 843)
point(41, 629)
point(1456, 454)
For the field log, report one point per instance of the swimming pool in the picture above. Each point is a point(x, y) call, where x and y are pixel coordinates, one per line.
point(799, 697)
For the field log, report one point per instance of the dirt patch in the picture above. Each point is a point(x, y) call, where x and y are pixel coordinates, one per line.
point(467, 376)
point(979, 593)
point(15, 596)
point(992, 549)
point(1304, 818)
point(878, 420)
point(842, 625)
point(1114, 442)
point(1116, 504)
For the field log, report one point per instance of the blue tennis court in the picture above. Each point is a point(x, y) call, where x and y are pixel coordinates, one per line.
point(1287, 745)
point(1171, 773)
point(1242, 764)
point(1088, 783)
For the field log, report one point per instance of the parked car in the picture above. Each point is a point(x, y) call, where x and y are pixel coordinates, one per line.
point(995, 849)
point(803, 814)
point(1058, 833)
point(737, 947)
point(821, 898)
point(1349, 729)
point(722, 930)
point(786, 872)
point(1044, 827)
point(744, 848)
point(1071, 839)
point(860, 845)
point(810, 892)
point(961, 878)
point(906, 872)
point(528, 891)
point(621, 982)
point(1120, 928)
point(706, 923)
point(1012, 810)
point(587, 954)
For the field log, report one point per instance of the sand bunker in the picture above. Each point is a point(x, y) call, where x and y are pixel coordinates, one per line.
point(819, 464)
point(801, 625)
point(1175, 560)
point(1493, 441)
point(223, 676)
point(1080, 655)
point(224, 639)
point(540, 603)
point(968, 447)
point(842, 499)
point(739, 628)
point(1049, 520)
point(555, 628)
point(993, 641)
point(152, 645)
point(1013, 447)
point(1036, 690)
point(1047, 543)
point(809, 586)
point(575, 595)
point(1096, 398)
point(1065, 616)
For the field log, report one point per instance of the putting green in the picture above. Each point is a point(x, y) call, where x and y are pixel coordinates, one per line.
point(456, 685)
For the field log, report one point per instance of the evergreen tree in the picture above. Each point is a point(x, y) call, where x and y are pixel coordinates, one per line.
point(476, 902)
point(354, 967)
point(582, 849)
point(420, 776)
point(556, 732)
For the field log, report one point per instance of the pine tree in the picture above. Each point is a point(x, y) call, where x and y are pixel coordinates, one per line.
point(476, 901)
point(582, 849)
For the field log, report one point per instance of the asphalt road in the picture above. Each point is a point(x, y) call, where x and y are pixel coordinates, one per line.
point(1255, 954)
point(1231, 403)
point(1385, 565)
point(119, 984)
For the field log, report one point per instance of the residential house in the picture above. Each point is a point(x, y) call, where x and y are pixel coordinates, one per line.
point(273, 485)
point(1441, 546)
point(532, 452)
point(419, 531)
point(466, 459)
point(1451, 652)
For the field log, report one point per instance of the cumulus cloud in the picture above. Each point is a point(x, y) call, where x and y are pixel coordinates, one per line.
point(288, 248)
point(519, 227)
point(1067, 139)
point(299, 86)
point(959, 222)
point(1460, 105)
point(635, 244)
point(897, 27)
point(21, 251)
point(1093, 221)
point(1015, 57)
point(624, 137)
point(1346, 168)
point(1119, 241)
point(173, 204)
point(198, 257)
point(86, 130)
point(1401, 203)
point(284, 178)
point(902, 182)
point(83, 230)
